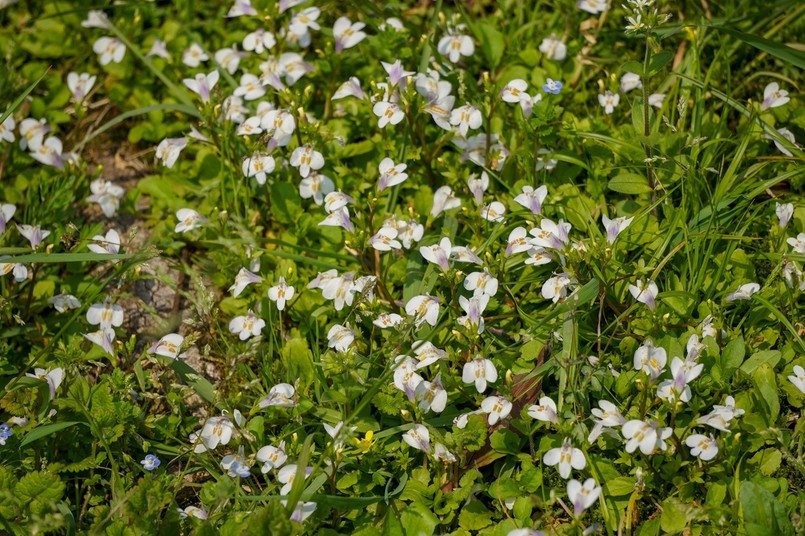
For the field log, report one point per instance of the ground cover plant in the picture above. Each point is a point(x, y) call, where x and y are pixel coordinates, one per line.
point(402, 268)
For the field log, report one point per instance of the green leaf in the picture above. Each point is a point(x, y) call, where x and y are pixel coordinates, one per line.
point(629, 183)
point(492, 42)
point(733, 355)
point(673, 518)
point(474, 516)
point(768, 461)
point(766, 385)
point(632, 67)
point(778, 50)
point(21, 97)
point(53, 258)
point(770, 357)
point(40, 488)
point(658, 61)
point(417, 520)
point(43, 431)
point(762, 513)
point(505, 441)
point(195, 380)
point(618, 487)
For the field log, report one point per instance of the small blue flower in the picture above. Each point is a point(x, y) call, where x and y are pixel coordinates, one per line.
point(150, 462)
point(552, 86)
point(239, 469)
point(5, 433)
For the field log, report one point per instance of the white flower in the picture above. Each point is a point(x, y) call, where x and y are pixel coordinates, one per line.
point(7, 129)
point(645, 435)
point(615, 227)
point(259, 41)
point(555, 288)
point(305, 20)
point(393, 23)
point(32, 133)
point(316, 186)
point(728, 410)
point(650, 359)
point(302, 511)
point(240, 8)
point(418, 437)
point(443, 455)
point(473, 309)
point(280, 125)
point(544, 411)
point(159, 48)
point(443, 200)
point(391, 174)
point(103, 338)
point(438, 254)
point(644, 292)
point(192, 511)
point(798, 243)
point(96, 19)
point(80, 85)
point(431, 395)
point(194, 55)
point(411, 232)
point(340, 337)
point(350, 88)
point(246, 326)
point(243, 279)
point(281, 395)
point(347, 34)
point(107, 195)
point(33, 233)
point(427, 354)
point(387, 112)
point(168, 346)
point(229, 58)
point(553, 48)
point(494, 211)
point(109, 49)
point(406, 378)
point(105, 315)
point(798, 379)
point(518, 241)
point(592, 6)
point(202, 84)
point(280, 293)
point(250, 88)
point(466, 117)
point(477, 186)
point(465, 254)
point(773, 96)
point(551, 235)
point(479, 371)
point(609, 100)
point(385, 239)
point(787, 134)
point(630, 81)
point(682, 373)
point(258, 166)
point(336, 201)
point(387, 320)
point(169, 149)
point(744, 292)
point(702, 446)
point(109, 244)
point(272, 457)
point(514, 91)
point(656, 99)
point(582, 496)
point(339, 289)
point(497, 408)
point(784, 213)
point(454, 46)
point(189, 219)
point(423, 308)
point(52, 377)
point(216, 431)
point(306, 158)
point(63, 302)
point(543, 161)
point(481, 283)
point(50, 153)
point(566, 457)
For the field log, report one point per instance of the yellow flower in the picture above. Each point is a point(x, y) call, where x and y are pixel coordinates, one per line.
point(363, 445)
